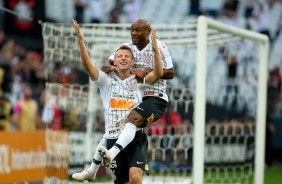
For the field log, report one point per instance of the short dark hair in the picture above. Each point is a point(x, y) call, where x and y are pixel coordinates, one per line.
point(125, 47)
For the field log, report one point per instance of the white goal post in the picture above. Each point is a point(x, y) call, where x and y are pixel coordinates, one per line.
point(200, 94)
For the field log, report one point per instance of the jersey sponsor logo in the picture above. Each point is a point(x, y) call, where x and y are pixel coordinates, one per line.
point(131, 86)
point(121, 104)
point(147, 93)
point(114, 131)
point(150, 119)
point(125, 96)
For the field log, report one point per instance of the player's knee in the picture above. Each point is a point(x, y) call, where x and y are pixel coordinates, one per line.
point(135, 176)
point(135, 118)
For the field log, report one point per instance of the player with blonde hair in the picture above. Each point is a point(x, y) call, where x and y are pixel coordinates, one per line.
point(120, 93)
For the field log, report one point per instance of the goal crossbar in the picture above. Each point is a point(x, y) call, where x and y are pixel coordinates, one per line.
point(199, 138)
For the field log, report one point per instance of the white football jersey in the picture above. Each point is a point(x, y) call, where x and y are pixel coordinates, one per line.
point(119, 97)
point(144, 59)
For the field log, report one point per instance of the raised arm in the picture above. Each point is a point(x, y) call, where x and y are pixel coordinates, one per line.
point(92, 70)
point(157, 73)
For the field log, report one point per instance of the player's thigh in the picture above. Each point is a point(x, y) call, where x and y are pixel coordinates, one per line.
point(120, 169)
point(151, 109)
point(136, 152)
point(136, 118)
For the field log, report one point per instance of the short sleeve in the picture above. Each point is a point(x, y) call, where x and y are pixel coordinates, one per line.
point(165, 55)
point(103, 79)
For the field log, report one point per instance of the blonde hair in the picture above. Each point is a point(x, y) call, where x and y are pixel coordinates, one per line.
point(125, 47)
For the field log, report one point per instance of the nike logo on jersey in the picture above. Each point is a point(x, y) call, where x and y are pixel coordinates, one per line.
point(139, 162)
point(140, 108)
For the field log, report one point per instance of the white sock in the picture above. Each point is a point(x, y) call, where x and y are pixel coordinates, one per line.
point(125, 137)
point(94, 165)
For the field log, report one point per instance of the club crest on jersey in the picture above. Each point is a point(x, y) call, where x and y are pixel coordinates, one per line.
point(131, 86)
point(148, 57)
point(150, 119)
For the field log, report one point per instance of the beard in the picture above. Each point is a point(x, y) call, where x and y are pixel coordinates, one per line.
point(135, 41)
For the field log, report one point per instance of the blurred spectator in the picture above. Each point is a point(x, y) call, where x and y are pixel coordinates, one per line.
point(96, 11)
point(6, 57)
point(172, 117)
point(230, 18)
point(158, 128)
point(182, 163)
point(54, 77)
point(132, 10)
point(274, 89)
point(194, 8)
point(5, 78)
point(158, 164)
point(1, 14)
point(247, 51)
point(249, 8)
point(270, 130)
point(26, 111)
point(211, 8)
point(168, 123)
point(52, 115)
point(2, 35)
point(232, 87)
point(276, 54)
point(74, 120)
point(5, 113)
point(65, 75)
point(116, 12)
point(232, 68)
point(231, 5)
point(261, 14)
point(79, 7)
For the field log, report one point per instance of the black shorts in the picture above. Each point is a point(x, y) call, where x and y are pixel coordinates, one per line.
point(151, 108)
point(133, 155)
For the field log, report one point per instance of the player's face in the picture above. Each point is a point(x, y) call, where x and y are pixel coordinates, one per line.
point(123, 59)
point(139, 34)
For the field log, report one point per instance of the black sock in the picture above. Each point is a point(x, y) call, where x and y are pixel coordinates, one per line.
point(118, 146)
point(97, 162)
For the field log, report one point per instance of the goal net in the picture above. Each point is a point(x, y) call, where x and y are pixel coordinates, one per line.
point(213, 130)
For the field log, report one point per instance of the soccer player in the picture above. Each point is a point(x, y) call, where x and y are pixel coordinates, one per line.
point(120, 93)
point(155, 100)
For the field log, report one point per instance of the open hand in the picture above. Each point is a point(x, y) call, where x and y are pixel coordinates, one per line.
point(77, 29)
point(154, 40)
point(114, 69)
